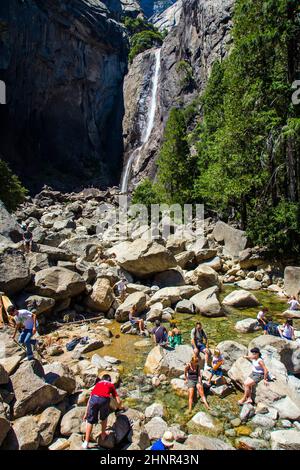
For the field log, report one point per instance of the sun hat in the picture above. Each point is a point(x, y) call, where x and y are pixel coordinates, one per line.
point(168, 439)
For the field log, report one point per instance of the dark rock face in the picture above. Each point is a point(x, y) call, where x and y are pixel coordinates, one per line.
point(63, 63)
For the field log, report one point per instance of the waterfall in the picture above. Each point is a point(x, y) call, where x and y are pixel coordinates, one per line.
point(136, 154)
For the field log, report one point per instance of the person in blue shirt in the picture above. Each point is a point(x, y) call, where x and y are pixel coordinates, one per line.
point(165, 443)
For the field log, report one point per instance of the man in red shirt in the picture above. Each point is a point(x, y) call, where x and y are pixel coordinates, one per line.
point(99, 404)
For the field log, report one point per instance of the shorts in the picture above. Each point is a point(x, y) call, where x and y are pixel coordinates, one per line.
point(256, 377)
point(217, 372)
point(201, 346)
point(192, 383)
point(133, 322)
point(98, 406)
point(262, 325)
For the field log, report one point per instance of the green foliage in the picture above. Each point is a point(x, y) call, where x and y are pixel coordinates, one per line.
point(137, 25)
point(176, 167)
point(145, 193)
point(12, 193)
point(184, 69)
point(142, 41)
point(248, 142)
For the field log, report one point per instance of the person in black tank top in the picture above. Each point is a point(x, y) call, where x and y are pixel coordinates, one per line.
point(192, 375)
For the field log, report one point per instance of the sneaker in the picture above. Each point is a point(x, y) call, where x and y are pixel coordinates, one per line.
point(85, 445)
point(206, 367)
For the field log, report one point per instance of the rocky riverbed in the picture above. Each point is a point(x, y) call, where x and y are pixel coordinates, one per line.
point(69, 279)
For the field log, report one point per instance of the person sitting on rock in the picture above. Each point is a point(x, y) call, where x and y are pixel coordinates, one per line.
point(262, 320)
point(193, 379)
point(165, 443)
point(287, 330)
point(259, 372)
point(217, 362)
point(200, 342)
point(98, 405)
point(134, 320)
point(26, 321)
point(174, 337)
point(160, 334)
point(293, 303)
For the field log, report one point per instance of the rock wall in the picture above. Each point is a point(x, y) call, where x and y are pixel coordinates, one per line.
point(201, 37)
point(63, 63)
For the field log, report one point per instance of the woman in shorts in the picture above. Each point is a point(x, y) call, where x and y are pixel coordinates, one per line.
point(193, 379)
point(259, 373)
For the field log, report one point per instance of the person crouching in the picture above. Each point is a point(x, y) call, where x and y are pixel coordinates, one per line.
point(98, 405)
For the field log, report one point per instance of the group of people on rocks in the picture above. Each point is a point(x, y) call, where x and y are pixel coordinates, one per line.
point(286, 330)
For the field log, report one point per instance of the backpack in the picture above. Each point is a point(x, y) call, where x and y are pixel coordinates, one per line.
point(72, 344)
point(272, 328)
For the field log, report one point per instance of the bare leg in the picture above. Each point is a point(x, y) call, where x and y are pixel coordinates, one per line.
point(141, 325)
point(191, 398)
point(103, 428)
point(247, 390)
point(88, 432)
point(202, 395)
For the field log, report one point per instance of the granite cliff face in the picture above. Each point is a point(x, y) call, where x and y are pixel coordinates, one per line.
point(201, 36)
point(63, 63)
point(152, 7)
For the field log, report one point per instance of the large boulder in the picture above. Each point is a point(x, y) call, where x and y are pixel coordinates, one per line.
point(4, 377)
point(180, 387)
point(9, 227)
point(156, 428)
point(171, 363)
point(119, 428)
point(8, 347)
point(239, 371)
point(203, 276)
point(47, 423)
point(248, 325)
point(31, 391)
point(4, 427)
point(60, 375)
point(292, 280)
point(207, 303)
point(249, 284)
point(24, 435)
point(170, 278)
point(171, 295)
point(285, 440)
point(72, 420)
point(289, 351)
point(101, 297)
point(14, 271)
point(143, 257)
point(137, 299)
point(39, 303)
point(231, 351)
point(234, 240)
point(58, 283)
point(240, 299)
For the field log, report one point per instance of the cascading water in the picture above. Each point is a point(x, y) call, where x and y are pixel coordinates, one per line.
point(136, 154)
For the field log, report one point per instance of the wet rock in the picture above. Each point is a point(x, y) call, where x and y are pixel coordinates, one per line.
point(240, 299)
point(263, 421)
point(292, 280)
point(47, 424)
point(204, 420)
point(221, 391)
point(285, 440)
point(198, 442)
point(247, 412)
point(248, 443)
point(249, 284)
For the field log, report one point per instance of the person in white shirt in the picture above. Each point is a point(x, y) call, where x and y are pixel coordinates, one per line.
point(287, 331)
point(259, 372)
point(121, 289)
point(262, 320)
point(25, 320)
point(293, 303)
